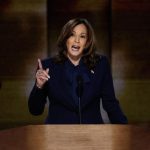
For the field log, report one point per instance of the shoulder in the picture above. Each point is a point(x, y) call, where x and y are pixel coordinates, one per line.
point(103, 64)
point(102, 59)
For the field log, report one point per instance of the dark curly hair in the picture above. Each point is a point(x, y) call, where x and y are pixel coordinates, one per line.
point(89, 53)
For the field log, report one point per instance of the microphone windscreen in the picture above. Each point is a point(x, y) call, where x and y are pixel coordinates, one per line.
point(79, 88)
point(79, 79)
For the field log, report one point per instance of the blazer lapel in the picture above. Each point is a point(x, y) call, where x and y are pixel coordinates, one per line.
point(65, 83)
point(65, 86)
point(88, 85)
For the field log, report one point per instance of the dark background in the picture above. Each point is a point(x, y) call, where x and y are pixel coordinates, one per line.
point(29, 30)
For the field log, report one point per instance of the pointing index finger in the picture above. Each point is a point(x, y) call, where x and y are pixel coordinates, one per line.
point(40, 64)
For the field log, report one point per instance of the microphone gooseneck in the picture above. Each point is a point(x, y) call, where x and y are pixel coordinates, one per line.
point(79, 91)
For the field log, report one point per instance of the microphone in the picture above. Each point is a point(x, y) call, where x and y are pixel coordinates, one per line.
point(79, 91)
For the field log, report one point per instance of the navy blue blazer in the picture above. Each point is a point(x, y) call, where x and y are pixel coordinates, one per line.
point(97, 85)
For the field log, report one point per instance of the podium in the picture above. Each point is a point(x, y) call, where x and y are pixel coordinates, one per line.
point(76, 137)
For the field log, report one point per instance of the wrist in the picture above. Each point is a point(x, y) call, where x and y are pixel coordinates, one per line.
point(38, 86)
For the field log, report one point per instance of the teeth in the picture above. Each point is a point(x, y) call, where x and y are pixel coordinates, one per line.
point(75, 47)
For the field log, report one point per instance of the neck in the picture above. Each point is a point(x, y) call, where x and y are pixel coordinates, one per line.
point(75, 61)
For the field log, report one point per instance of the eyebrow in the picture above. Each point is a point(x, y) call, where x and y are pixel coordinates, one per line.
point(81, 33)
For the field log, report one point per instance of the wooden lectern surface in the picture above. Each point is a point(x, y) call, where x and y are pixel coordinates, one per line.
point(76, 137)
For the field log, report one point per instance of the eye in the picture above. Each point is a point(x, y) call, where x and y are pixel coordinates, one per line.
point(72, 34)
point(83, 36)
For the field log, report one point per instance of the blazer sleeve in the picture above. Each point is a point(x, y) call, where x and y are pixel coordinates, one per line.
point(37, 98)
point(110, 103)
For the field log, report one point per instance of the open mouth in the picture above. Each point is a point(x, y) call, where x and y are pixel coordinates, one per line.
point(75, 47)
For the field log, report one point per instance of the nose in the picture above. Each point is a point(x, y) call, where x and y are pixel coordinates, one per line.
point(77, 40)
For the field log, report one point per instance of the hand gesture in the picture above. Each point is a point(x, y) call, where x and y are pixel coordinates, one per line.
point(41, 75)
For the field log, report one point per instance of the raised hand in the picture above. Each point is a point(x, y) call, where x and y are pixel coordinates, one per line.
point(41, 75)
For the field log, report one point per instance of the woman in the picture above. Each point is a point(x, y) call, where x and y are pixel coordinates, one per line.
point(75, 81)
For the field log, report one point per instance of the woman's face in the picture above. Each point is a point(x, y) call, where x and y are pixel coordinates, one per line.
point(77, 42)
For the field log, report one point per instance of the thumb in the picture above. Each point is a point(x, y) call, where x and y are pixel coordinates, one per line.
point(47, 70)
